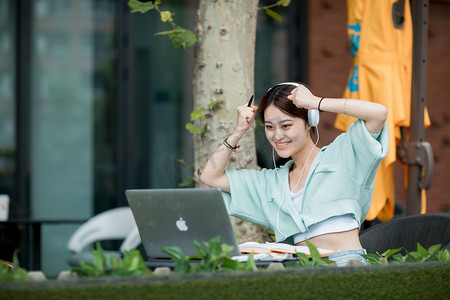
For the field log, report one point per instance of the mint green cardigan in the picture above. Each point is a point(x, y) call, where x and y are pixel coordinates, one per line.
point(340, 181)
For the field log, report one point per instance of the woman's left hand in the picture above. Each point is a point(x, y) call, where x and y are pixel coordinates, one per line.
point(302, 97)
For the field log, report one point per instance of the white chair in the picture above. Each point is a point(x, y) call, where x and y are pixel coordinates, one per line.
point(113, 224)
point(132, 241)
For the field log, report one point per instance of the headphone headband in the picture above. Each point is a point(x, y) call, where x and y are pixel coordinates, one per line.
point(313, 114)
point(284, 83)
point(289, 83)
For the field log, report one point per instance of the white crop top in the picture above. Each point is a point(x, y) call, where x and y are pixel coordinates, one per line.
point(331, 225)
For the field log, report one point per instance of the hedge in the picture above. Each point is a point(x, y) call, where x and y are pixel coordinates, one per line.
point(403, 281)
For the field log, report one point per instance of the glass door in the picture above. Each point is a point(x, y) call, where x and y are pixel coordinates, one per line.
point(72, 104)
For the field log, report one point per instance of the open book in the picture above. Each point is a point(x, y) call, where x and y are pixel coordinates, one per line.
point(249, 247)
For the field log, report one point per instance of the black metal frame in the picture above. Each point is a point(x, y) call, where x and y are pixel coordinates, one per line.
point(23, 84)
point(416, 153)
point(125, 71)
point(298, 38)
point(421, 150)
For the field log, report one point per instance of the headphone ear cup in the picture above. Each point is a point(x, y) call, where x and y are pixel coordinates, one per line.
point(313, 117)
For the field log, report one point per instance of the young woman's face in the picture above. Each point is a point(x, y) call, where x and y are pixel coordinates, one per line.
point(287, 134)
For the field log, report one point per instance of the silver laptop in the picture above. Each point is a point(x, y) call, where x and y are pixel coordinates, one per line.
point(177, 217)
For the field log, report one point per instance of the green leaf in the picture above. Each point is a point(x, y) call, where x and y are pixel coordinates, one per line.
point(192, 128)
point(169, 32)
point(195, 256)
point(315, 255)
point(215, 247)
point(99, 257)
point(433, 250)
point(228, 264)
point(203, 251)
point(418, 256)
point(13, 272)
point(227, 249)
point(443, 255)
point(413, 257)
point(371, 258)
point(132, 261)
point(303, 259)
point(197, 114)
point(16, 257)
point(174, 252)
point(273, 14)
point(391, 252)
point(89, 270)
point(250, 263)
point(398, 257)
point(327, 261)
point(283, 2)
point(421, 249)
point(142, 7)
point(180, 37)
point(131, 264)
point(215, 103)
point(188, 38)
point(182, 267)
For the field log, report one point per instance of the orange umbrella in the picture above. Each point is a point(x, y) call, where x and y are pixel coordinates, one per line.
point(381, 73)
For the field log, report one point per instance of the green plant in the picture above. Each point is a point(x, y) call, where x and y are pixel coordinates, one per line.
point(421, 255)
point(316, 260)
point(12, 271)
point(180, 37)
point(214, 257)
point(201, 113)
point(273, 14)
point(313, 261)
point(132, 264)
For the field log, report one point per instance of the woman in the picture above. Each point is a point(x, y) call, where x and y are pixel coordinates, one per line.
point(322, 194)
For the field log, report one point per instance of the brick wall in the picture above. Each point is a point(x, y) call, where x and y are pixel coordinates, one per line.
point(330, 62)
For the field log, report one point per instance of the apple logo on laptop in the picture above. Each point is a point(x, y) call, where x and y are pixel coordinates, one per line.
point(181, 225)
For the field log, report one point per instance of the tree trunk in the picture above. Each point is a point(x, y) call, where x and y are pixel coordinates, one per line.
point(225, 55)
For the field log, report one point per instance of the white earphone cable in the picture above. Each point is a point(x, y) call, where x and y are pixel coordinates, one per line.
point(281, 181)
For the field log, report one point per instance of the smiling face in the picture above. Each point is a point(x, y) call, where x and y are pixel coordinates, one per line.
point(287, 134)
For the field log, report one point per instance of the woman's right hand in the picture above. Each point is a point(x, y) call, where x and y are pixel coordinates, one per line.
point(245, 117)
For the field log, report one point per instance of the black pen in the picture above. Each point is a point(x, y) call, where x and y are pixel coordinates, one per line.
point(250, 101)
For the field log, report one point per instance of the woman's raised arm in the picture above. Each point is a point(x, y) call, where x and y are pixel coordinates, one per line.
point(213, 173)
point(372, 113)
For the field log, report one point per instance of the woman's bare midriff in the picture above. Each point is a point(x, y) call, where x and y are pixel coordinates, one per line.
point(347, 240)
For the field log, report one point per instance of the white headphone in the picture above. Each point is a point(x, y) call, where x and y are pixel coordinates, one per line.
point(313, 114)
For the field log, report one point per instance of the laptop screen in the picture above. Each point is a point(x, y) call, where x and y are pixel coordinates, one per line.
point(177, 217)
